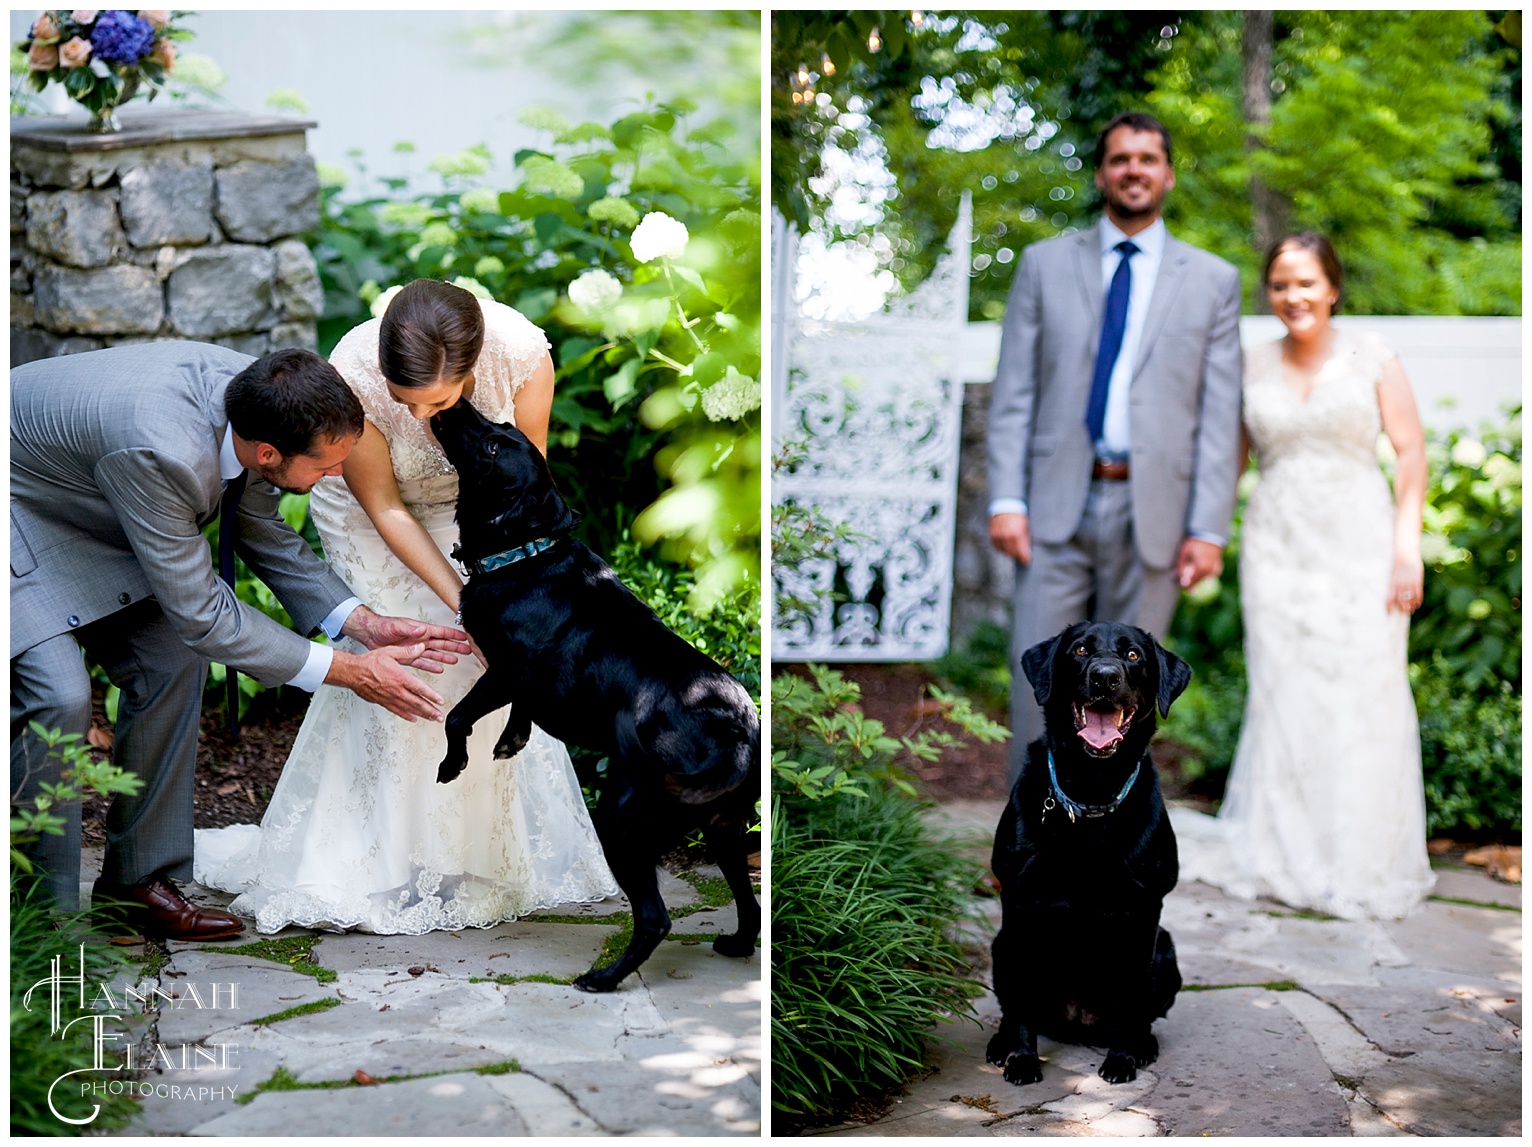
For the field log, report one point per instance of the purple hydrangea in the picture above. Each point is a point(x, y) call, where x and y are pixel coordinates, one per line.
point(121, 38)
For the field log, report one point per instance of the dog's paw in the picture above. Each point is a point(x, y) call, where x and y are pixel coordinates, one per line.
point(450, 770)
point(1023, 1069)
point(508, 747)
point(735, 944)
point(1119, 1067)
point(596, 980)
point(999, 1050)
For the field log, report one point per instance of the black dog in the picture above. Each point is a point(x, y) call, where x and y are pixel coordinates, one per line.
point(1085, 856)
point(570, 648)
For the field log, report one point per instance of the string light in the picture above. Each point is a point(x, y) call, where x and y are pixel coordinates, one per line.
point(874, 41)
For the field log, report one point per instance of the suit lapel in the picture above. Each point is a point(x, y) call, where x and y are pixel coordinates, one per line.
point(1088, 275)
point(1166, 285)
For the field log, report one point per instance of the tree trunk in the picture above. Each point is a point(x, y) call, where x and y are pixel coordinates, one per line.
point(1269, 209)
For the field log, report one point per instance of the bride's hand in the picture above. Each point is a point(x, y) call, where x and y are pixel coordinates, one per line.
point(1407, 586)
point(442, 644)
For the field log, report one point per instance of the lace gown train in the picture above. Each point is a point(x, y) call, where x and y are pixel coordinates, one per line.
point(358, 833)
point(1325, 807)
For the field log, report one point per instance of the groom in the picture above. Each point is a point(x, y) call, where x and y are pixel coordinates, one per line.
point(1114, 424)
point(119, 457)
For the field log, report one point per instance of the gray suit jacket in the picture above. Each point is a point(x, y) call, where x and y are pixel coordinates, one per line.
point(1184, 404)
point(114, 472)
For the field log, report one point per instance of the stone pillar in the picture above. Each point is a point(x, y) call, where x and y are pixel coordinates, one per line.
point(982, 578)
point(184, 225)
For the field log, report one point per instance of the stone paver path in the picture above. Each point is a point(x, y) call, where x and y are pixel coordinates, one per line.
point(1289, 1025)
point(461, 1033)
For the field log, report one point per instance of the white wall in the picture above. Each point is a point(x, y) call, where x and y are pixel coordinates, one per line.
point(1474, 364)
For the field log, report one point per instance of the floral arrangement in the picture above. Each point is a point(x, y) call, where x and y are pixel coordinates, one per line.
point(102, 58)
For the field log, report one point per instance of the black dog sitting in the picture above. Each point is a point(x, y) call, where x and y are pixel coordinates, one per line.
point(1085, 856)
point(572, 649)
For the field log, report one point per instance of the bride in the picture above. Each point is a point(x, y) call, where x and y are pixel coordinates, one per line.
point(1325, 807)
point(359, 834)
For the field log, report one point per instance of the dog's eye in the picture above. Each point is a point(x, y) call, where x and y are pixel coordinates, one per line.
point(1080, 650)
point(1132, 655)
point(494, 448)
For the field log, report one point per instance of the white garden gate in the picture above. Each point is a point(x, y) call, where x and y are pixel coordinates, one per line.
point(873, 410)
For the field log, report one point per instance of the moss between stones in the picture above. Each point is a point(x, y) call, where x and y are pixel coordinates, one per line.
point(300, 1010)
point(1270, 986)
point(296, 952)
point(284, 1080)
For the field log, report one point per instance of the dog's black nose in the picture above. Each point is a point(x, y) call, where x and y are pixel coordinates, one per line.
point(1106, 675)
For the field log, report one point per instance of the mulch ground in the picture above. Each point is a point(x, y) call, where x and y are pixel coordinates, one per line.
point(235, 779)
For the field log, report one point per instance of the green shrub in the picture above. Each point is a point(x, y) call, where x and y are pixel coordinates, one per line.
point(1470, 745)
point(38, 1056)
point(862, 963)
point(863, 899)
point(981, 670)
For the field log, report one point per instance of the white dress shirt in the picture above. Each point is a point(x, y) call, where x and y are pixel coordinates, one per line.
point(317, 667)
point(1116, 436)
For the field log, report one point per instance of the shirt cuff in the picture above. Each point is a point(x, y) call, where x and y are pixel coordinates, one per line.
point(1214, 538)
point(337, 617)
point(316, 669)
point(1007, 506)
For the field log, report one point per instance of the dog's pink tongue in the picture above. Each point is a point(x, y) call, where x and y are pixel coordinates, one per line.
point(1101, 729)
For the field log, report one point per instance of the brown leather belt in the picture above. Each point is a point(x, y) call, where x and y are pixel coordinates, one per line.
point(1111, 471)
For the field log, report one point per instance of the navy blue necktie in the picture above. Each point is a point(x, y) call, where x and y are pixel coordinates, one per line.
point(227, 529)
point(1113, 324)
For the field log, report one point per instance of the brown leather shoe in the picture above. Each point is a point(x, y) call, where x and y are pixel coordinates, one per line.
point(158, 908)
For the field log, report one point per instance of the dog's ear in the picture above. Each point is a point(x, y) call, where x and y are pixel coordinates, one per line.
point(1175, 675)
point(1037, 664)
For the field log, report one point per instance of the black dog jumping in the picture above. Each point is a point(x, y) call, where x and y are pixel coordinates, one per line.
point(1085, 855)
point(570, 648)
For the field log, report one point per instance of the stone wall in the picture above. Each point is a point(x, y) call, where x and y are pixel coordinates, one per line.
point(184, 225)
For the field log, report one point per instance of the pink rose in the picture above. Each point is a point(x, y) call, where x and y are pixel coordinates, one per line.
point(85, 15)
point(43, 57)
point(164, 54)
point(45, 29)
point(75, 53)
point(157, 19)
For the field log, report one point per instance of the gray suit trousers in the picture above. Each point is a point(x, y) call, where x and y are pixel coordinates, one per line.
point(148, 834)
point(1097, 575)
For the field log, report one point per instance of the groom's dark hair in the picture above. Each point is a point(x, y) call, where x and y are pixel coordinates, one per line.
point(288, 399)
point(1137, 121)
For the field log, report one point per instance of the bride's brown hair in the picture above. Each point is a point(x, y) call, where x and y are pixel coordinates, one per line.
point(431, 331)
point(1316, 245)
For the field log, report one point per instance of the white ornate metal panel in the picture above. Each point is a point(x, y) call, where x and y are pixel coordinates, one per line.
point(876, 406)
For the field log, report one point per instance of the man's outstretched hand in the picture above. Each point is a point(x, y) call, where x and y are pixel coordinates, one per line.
point(439, 644)
point(379, 676)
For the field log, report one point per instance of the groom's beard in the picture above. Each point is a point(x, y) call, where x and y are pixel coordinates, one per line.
point(278, 476)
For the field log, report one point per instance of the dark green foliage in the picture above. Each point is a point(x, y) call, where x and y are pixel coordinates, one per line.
point(981, 670)
point(38, 1057)
point(863, 899)
point(862, 965)
point(1470, 743)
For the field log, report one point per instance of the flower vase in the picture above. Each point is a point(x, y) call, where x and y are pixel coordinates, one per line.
point(103, 120)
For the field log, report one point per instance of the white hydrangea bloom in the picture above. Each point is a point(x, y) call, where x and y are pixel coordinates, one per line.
point(472, 286)
point(380, 304)
point(732, 396)
point(658, 236)
point(595, 291)
point(1469, 452)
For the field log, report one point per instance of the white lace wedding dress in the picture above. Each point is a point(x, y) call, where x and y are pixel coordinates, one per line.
point(358, 833)
point(1325, 807)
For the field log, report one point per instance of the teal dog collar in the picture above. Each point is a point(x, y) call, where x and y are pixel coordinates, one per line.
point(510, 557)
